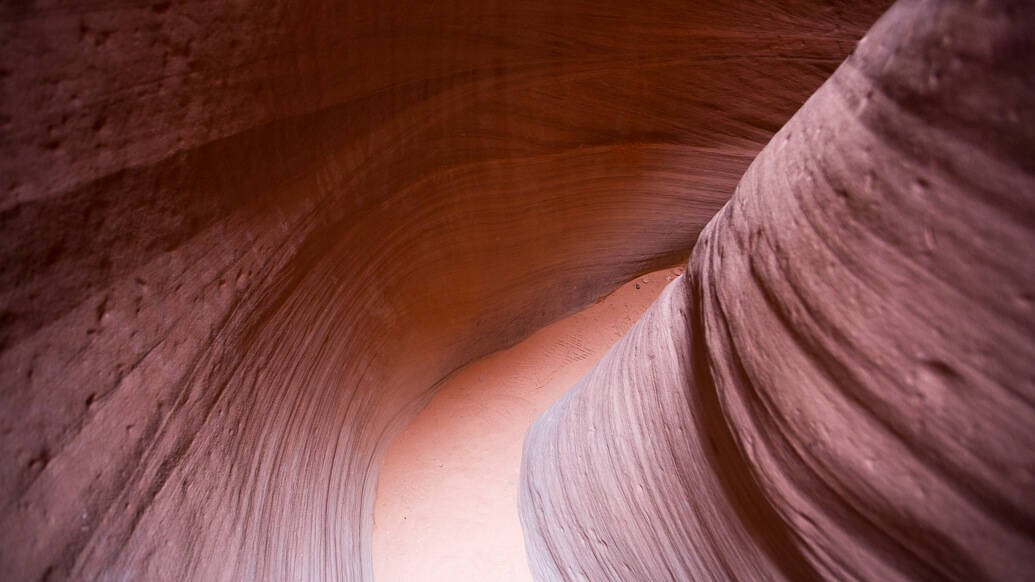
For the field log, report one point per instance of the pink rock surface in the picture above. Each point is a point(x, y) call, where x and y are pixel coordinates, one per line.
point(840, 387)
point(242, 242)
point(446, 506)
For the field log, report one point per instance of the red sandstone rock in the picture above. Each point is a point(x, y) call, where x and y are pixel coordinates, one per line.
point(241, 242)
point(841, 386)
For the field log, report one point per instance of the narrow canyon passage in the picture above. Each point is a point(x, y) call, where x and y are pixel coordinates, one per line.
point(244, 244)
point(446, 507)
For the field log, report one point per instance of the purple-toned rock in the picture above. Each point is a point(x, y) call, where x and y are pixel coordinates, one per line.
point(241, 242)
point(841, 386)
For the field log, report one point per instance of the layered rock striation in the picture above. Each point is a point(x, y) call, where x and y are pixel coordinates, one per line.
point(242, 242)
point(840, 387)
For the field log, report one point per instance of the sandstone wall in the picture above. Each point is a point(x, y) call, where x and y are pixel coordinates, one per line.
point(241, 242)
point(840, 386)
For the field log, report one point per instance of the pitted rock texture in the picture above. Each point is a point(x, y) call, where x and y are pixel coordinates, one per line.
point(242, 242)
point(840, 387)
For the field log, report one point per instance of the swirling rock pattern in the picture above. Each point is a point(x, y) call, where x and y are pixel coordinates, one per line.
point(840, 387)
point(241, 242)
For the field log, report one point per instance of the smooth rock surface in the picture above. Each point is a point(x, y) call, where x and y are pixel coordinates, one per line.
point(242, 242)
point(446, 506)
point(841, 386)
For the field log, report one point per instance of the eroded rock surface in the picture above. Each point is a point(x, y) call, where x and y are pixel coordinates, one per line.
point(840, 387)
point(241, 242)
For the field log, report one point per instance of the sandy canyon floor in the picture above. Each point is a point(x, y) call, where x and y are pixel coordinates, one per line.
point(446, 507)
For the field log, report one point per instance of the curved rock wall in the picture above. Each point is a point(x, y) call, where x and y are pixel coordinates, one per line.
point(241, 242)
point(840, 387)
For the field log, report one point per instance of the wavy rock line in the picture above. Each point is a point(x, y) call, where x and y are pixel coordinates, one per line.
point(840, 387)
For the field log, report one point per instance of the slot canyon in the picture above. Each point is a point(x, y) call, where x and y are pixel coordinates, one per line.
point(243, 243)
